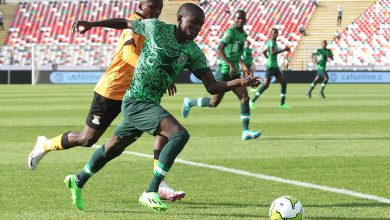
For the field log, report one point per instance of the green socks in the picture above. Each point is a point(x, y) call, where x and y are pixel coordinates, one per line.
point(167, 157)
point(97, 162)
point(200, 102)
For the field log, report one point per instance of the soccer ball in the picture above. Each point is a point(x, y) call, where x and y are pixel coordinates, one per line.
point(286, 207)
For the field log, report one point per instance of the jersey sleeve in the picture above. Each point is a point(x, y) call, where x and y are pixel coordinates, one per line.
point(197, 63)
point(145, 27)
point(227, 37)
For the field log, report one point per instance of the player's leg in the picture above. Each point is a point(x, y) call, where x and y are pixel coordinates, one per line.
point(212, 101)
point(242, 95)
point(102, 112)
point(283, 83)
point(125, 134)
point(312, 86)
point(157, 121)
point(164, 190)
point(323, 85)
point(263, 87)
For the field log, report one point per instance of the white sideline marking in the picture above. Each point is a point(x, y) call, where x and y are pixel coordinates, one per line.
point(272, 178)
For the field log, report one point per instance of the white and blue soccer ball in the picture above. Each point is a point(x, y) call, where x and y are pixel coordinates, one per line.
point(286, 207)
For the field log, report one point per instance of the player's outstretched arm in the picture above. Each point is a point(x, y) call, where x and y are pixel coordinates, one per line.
point(215, 87)
point(116, 23)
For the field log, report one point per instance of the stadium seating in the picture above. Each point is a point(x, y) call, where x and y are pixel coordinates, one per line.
point(365, 42)
point(49, 23)
point(262, 16)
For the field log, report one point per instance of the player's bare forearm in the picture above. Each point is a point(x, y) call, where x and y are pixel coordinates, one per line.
point(215, 87)
point(265, 54)
point(221, 53)
point(115, 23)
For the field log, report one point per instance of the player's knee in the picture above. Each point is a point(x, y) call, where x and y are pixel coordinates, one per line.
point(214, 104)
point(244, 99)
point(182, 136)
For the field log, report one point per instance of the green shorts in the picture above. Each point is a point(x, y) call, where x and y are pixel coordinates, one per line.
point(225, 77)
point(321, 73)
point(273, 71)
point(223, 68)
point(139, 117)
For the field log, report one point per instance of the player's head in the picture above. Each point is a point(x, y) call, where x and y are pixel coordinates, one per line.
point(240, 19)
point(151, 8)
point(190, 19)
point(324, 44)
point(274, 33)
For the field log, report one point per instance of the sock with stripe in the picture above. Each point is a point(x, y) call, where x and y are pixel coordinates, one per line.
point(283, 93)
point(245, 116)
point(259, 92)
point(167, 157)
point(323, 85)
point(96, 163)
point(312, 86)
point(200, 102)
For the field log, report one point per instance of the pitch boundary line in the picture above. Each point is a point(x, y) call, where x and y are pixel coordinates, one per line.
point(272, 178)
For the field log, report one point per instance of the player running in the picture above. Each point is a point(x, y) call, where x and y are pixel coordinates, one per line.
point(322, 54)
point(272, 69)
point(230, 51)
point(107, 101)
point(168, 49)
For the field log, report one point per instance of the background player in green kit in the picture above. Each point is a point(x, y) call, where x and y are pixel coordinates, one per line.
point(230, 51)
point(247, 57)
point(322, 55)
point(272, 69)
point(167, 50)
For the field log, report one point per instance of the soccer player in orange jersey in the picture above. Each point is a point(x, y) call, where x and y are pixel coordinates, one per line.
point(107, 101)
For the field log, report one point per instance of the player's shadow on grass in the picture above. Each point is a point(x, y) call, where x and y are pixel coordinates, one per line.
point(202, 205)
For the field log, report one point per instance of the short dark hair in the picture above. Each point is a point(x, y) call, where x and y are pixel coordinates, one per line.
point(189, 8)
point(241, 12)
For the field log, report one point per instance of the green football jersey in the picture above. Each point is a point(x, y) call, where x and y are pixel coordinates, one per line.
point(162, 59)
point(234, 40)
point(247, 56)
point(272, 61)
point(322, 58)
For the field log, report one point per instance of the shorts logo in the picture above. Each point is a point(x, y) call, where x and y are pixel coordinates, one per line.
point(96, 120)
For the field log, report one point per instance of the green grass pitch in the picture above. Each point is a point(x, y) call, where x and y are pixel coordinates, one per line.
point(342, 141)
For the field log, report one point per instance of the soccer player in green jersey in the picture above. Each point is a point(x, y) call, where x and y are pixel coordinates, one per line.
point(322, 54)
point(230, 51)
point(272, 69)
point(167, 50)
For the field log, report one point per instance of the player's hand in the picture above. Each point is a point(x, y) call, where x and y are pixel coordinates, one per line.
point(253, 81)
point(245, 69)
point(171, 89)
point(233, 70)
point(81, 27)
